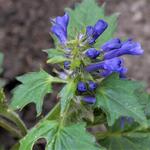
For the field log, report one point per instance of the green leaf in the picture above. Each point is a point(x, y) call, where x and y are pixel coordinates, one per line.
point(55, 55)
point(55, 40)
point(64, 138)
point(117, 98)
point(57, 59)
point(88, 13)
point(127, 140)
point(67, 93)
point(147, 107)
point(54, 52)
point(34, 87)
point(144, 100)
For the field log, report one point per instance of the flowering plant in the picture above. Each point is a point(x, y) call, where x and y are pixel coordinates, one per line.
point(96, 92)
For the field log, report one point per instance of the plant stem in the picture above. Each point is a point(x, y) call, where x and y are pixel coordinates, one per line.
point(102, 135)
point(54, 113)
point(7, 126)
point(63, 116)
point(12, 116)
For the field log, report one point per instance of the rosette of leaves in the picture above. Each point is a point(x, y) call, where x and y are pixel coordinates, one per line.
point(96, 90)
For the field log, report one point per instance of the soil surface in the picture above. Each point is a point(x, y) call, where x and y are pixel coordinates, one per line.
point(24, 32)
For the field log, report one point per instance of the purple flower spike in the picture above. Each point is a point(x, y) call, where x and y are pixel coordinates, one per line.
point(128, 47)
point(81, 87)
point(94, 32)
point(111, 45)
point(59, 28)
point(92, 85)
point(89, 99)
point(114, 65)
point(92, 53)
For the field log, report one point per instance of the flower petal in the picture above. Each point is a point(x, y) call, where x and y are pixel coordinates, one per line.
point(59, 28)
point(89, 99)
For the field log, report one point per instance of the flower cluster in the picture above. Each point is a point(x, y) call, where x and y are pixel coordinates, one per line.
point(112, 50)
point(99, 63)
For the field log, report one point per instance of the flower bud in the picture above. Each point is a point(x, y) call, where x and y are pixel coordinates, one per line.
point(92, 53)
point(92, 85)
point(59, 28)
point(81, 87)
point(111, 45)
point(94, 32)
point(67, 65)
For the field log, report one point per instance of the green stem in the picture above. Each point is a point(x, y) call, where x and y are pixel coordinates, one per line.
point(63, 116)
point(7, 126)
point(54, 113)
point(102, 135)
point(11, 115)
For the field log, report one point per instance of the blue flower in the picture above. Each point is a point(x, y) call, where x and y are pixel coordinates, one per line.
point(94, 32)
point(59, 28)
point(81, 87)
point(122, 72)
point(92, 85)
point(114, 65)
point(132, 48)
point(111, 45)
point(92, 53)
point(105, 73)
point(67, 65)
point(89, 99)
point(128, 47)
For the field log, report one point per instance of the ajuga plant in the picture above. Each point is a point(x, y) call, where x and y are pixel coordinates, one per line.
point(99, 108)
